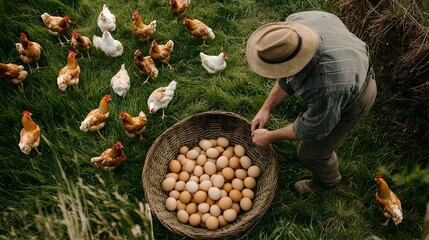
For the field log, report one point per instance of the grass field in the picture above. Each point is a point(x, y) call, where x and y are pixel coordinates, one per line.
point(49, 196)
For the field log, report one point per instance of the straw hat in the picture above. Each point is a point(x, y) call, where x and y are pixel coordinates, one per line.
point(281, 49)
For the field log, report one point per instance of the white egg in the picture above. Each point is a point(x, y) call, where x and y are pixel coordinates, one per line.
point(171, 204)
point(191, 186)
point(222, 162)
point(203, 207)
point(205, 144)
point(230, 215)
point(218, 181)
point(214, 193)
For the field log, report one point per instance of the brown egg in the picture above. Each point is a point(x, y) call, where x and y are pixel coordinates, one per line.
point(222, 162)
point(229, 152)
point(210, 201)
point(184, 176)
point(194, 219)
point(248, 193)
point(234, 162)
point(222, 221)
point(182, 216)
point(249, 182)
point(173, 175)
point(201, 160)
point(246, 204)
point(212, 153)
point(225, 203)
point(180, 205)
point(168, 184)
point(198, 149)
point(227, 187)
point(237, 184)
point(222, 141)
point(200, 196)
point(240, 173)
point(228, 173)
point(212, 223)
point(230, 215)
point(203, 207)
point(194, 179)
point(245, 162)
point(180, 186)
point(185, 197)
point(191, 208)
point(181, 157)
point(210, 168)
point(198, 171)
point(235, 195)
point(174, 193)
point(184, 149)
point(215, 210)
point(171, 204)
point(254, 171)
point(239, 150)
point(214, 143)
point(204, 217)
point(236, 207)
point(220, 149)
point(205, 144)
point(218, 181)
point(174, 166)
point(192, 154)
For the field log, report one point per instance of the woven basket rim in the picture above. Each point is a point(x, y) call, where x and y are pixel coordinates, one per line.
point(245, 221)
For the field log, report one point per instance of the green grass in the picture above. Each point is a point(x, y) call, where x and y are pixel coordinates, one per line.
point(31, 186)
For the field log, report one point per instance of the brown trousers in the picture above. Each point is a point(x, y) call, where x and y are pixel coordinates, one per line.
point(319, 156)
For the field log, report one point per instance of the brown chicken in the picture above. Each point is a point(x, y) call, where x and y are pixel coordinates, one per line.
point(96, 119)
point(141, 30)
point(81, 43)
point(29, 135)
point(69, 75)
point(145, 65)
point(162, 52)
point(111, 158)
point(178, 7)
point(198, 29)
point(389, 204)
point(29, 51)
point(13, 74)
point(133, 125)
point(57, 26)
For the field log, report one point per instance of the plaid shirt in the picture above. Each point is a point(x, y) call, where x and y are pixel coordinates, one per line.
point(332, 79)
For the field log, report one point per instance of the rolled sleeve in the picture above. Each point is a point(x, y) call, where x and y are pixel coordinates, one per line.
point(283, 83)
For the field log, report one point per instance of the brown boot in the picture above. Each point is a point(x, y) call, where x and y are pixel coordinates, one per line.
point(308, 186)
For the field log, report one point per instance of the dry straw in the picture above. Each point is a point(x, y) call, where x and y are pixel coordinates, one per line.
point(208, 125)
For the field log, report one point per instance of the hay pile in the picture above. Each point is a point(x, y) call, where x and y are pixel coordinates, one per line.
point(398, 37)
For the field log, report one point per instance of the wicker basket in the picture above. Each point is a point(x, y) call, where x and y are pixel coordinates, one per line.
point(188, 132)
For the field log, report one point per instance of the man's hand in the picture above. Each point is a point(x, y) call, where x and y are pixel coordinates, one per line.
point(260, 120)
point(261, 137)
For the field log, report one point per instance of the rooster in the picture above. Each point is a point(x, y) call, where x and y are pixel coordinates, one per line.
point(29, 51)
point(69, 75)
point(80, 43)
point(121, 82)
point(389, 204)
point(214, 64)
point(141, 30)
point(145, 65)
point(198, 29)
point(111, 158)
point(14, 74)
point(162, 52)
point(96, 119)
point(29, 135)
point(106, 20)
point(160, 98)
point(108, 45)
point(178, 7)
point(133, 125)
point(57, 26)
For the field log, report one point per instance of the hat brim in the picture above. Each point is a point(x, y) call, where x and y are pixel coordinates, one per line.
point(310, 43)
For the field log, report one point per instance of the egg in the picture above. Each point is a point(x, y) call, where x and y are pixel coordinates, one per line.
point(181, 157)
point(237, 184)
point(227, 187)
point(198, 171)
point(239, 150)
point(201, 159)
point(222, 141)
point(254, 171)
point(220, 149)
point(222, 162)
point(214, 142)
point(198, 149)
point(225, 203)
point(214, 193)
point(182, 216)
point(200, 196)
point(191, 208)
point(192, 154)
point(228, 173)
point(248, 193)
point(246, 204)
point(218, 181)
point(203, 207)
point(234, 162)
point(204, 217)
point(245, 162)
point(223, 193)
point(180, 205)
point(168, 184)
point(212, 223)
point(185, 197)
point(235, 195)
point(236, 207)
point(191, 187)
point(194, 179)
point(210, 168)
point(230, 215)
point(194, 219)
point(228, 152)
point(171, 204)
point(173, 175)
point(174, 166)
point(249, 182)
point(174, 193)
point(204, 177)
point(184, 176)
point(212, 153)
point(215, 210)
point(241, 173)
point(183, 149)
point(222, 221)
point(180, 186)
point(210, 201)
point(205, 144)
point(205, 185)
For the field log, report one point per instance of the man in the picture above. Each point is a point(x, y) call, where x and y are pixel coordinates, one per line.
point(314, 56)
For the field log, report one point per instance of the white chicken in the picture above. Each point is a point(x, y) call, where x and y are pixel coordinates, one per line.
point(160, 98)
point(214, 64)
point(108, 45)
point(121, 82)
point(106, 20)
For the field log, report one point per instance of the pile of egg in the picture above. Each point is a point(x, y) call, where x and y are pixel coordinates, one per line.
point(210, 184)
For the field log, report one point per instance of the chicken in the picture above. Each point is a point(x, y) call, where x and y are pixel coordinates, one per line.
point(214, 64)
point(80, 43)
point(178, 7)
point(69, 75)
point(57, 26)
point(121, 82)
point(160, 98)
point(141, 30)
point(106, 20)
point(133, 125)
point(108, 45)
point(111, 158)
point(198, 29)
point(162, 52)
point(145, 65)
point(96, 119)
point(29, 135)
point(14, 74)
point(29, 51)
point(389, 204)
